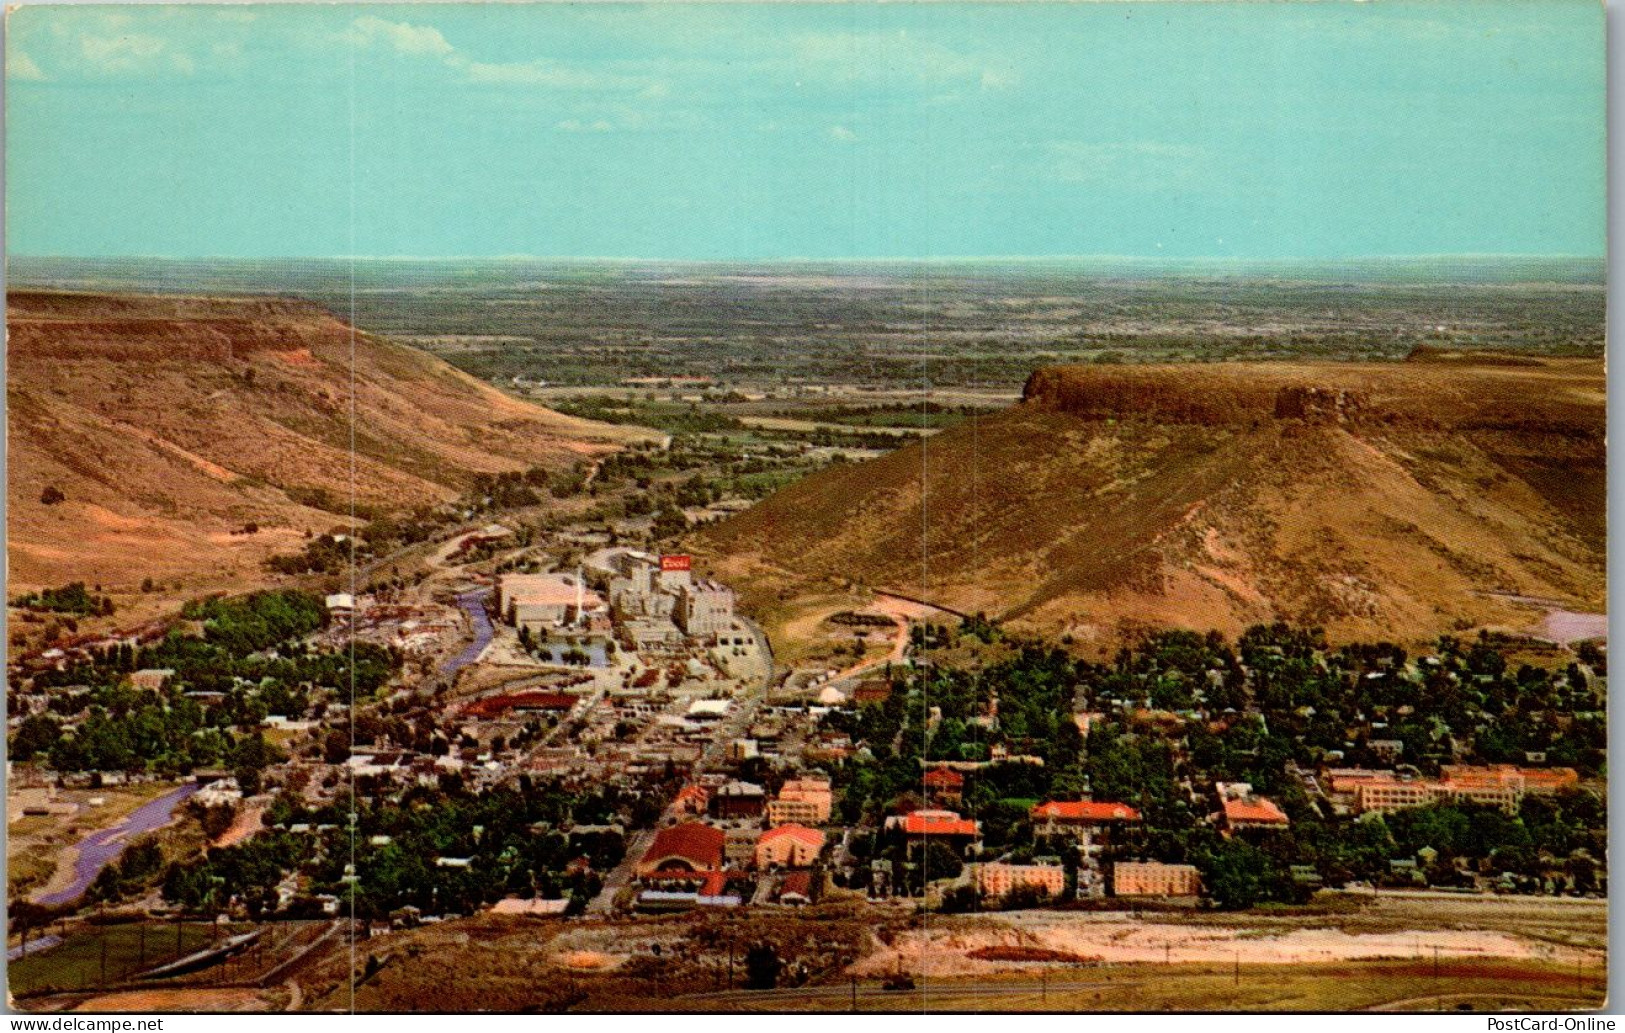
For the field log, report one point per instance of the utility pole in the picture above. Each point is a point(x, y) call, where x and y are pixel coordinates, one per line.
point(854, 993)
point(1238, 968)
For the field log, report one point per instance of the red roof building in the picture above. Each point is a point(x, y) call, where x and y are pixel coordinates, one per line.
point(1243, 810)
point(796, 888)
point(692, 800)
point(692, 846)
point(939, 824)
point(789, 846)
point(944, 785)
point(1083, 812)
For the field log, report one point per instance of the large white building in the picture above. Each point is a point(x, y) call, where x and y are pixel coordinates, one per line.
point(542, 601)
point(705, 609)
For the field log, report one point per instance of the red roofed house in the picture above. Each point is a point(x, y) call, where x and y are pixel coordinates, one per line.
point(944, 786)
point(1061, 817)
point(1243, 810)
point(796, 889)
point(789, 846)
point(692, 846)
point(946, 827)
point(693, 800)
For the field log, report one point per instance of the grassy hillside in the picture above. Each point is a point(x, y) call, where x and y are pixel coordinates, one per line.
point(1376, 500)
point(167, 423)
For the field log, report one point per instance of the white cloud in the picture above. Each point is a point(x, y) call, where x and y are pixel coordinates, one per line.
point(132, 52)
point(427, 41)
point(849, 58)
point(401, 37)
point(20, 66)
point(842, 133)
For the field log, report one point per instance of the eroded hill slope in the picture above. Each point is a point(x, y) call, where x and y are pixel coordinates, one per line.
point(169, 422)
point(1376, 500)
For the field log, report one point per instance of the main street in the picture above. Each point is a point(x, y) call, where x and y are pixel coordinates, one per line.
point(746, 706)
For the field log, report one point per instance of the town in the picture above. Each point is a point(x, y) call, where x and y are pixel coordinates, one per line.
point(616, 738)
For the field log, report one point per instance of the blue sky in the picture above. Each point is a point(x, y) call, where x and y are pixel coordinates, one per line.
point(1252, 130)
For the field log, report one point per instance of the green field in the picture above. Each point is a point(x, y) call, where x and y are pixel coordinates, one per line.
point(77, 962)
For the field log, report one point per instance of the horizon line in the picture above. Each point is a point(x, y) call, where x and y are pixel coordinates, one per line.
point(1508, 256)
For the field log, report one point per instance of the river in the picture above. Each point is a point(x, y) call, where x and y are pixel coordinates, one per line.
point(473, 604)
point(102, 847)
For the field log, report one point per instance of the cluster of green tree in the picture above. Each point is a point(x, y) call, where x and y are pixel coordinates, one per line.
point(73, 599)
point(510, 489)
point(1179, 711)
point(504, 842)
point(259, 620)
point(672, 417)
point(136, 869)
point(928, 415)
point(324, 554)
point(250, 653)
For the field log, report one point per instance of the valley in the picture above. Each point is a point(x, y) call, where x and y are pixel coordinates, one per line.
point(1030, 674)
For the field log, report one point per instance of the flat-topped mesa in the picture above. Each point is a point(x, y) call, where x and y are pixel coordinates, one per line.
point(66, 325)
point(1320, 404)
point(1192, 394)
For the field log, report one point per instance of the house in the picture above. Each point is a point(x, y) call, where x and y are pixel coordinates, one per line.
point(795, 889)
point(927, 826)
point(1498, 785)
point(708, 709)
point(738, 800)
point(739, 845)
point(1154, 879)
point(693, 800)
point(789, 846)
point(151, 679)
point(690, 847)
point(998, 879)
point(1242, 809)
point(944, 787)
point(1080, 817)
point(221, 793)
point(802, 801)
point(875, 690)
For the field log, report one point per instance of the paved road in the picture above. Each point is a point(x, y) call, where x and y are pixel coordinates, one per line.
point(473, 604)
point(99, 849)
point(747, 704)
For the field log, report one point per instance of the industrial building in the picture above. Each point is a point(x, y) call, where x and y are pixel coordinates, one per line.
point(539, 602)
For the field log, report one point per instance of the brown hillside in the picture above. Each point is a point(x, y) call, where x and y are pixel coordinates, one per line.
point(1371, 499)
point(168, 422)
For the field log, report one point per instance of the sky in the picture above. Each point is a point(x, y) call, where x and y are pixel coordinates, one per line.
point(745, 131)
